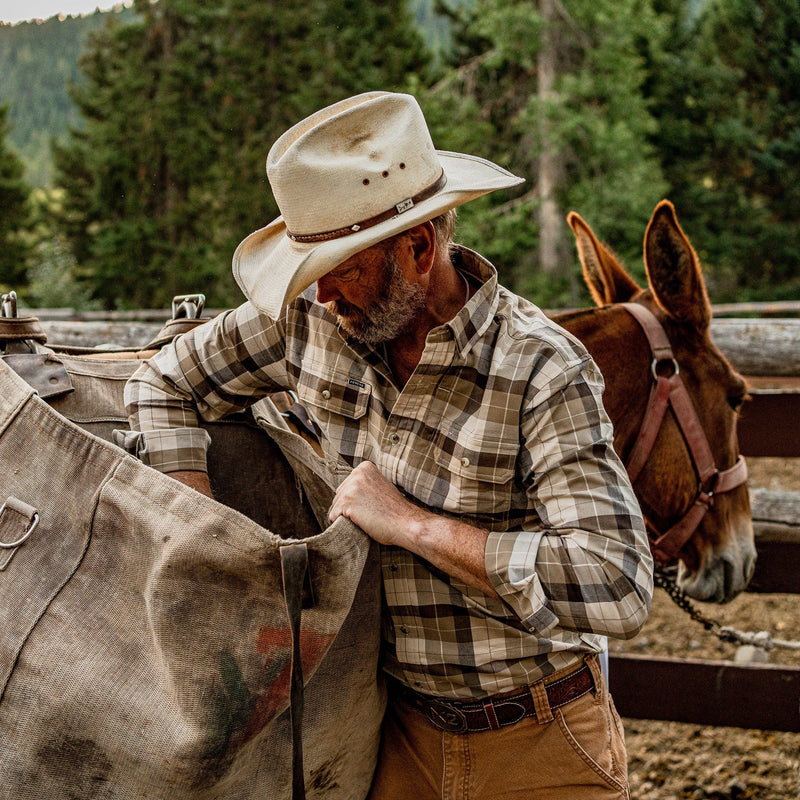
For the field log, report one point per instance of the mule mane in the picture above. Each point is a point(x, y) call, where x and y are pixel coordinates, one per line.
point(581, 315)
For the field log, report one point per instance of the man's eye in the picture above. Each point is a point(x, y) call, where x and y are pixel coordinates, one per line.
point(346, 276)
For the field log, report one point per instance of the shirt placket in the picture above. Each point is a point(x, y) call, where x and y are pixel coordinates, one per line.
point(403, 452)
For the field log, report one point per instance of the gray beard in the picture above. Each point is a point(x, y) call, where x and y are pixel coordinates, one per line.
point(399, 302)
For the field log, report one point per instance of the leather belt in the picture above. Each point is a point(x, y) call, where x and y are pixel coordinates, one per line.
point(493, 713)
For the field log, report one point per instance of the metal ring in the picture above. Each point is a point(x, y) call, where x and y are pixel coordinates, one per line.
point(21, 540)
point(676, 370)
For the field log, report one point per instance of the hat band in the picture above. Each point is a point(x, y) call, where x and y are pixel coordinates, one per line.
point(399, 208)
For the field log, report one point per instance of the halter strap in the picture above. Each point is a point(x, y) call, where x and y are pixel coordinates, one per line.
point(669, 389)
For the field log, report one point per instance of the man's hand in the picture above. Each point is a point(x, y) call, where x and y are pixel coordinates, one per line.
point(375, 504)
point(194, 479)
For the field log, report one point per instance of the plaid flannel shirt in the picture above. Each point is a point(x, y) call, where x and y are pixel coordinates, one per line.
point(501, 425)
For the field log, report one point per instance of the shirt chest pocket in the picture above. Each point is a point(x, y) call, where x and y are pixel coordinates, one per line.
point(339, 405)
point(478, 471)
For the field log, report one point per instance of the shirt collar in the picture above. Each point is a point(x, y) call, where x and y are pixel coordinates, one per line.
point(478, 313)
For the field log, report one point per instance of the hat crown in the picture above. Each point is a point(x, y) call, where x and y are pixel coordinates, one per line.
point(352, 161)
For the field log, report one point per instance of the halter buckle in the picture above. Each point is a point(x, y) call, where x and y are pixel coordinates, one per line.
point(712, 482)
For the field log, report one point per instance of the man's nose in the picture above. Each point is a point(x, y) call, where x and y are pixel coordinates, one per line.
point(326, 289)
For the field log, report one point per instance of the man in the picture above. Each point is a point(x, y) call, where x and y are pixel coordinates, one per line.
point(481, 454)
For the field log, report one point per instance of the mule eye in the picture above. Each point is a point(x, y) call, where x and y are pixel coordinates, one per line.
point(736, 401)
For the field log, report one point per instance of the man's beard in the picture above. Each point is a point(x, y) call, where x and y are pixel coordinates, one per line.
point(397, 305)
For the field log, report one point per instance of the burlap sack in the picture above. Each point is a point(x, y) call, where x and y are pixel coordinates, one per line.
point(145, 630)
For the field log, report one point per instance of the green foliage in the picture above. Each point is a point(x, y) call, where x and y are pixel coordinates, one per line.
point(593, 122)
point(180, 109)
point(53, 278)
point(15, 219)
point(38, 62)
point(177, 103)
point(727, 96)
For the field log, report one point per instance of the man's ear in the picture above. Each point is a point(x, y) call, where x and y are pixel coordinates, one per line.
point(423, 244)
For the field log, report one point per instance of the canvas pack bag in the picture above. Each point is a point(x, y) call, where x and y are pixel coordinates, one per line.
point(159, 644)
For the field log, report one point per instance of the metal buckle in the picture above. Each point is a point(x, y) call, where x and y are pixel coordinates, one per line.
point(445, 717)
point(8, 306)
point(188, 306)
point(712, 481)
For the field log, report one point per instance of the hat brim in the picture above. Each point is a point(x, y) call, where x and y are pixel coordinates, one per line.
point(272, 269)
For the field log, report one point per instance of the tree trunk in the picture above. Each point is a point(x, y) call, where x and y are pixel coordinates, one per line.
point(552, 240)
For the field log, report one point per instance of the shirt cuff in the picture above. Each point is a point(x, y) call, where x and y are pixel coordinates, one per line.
point(167, 450)
point(510, 562)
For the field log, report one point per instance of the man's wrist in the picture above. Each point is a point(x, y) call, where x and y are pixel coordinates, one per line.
point(194, 479)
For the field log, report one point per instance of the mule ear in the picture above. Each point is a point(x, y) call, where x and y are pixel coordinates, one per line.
point(673, 269)
point(606, 278)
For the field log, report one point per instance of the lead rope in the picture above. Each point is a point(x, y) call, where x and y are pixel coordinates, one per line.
point(763, 639)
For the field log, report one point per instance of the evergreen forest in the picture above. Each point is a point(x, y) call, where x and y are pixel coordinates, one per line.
point(133, 142)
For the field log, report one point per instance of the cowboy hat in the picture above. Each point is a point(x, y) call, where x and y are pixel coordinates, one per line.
point(346, 178)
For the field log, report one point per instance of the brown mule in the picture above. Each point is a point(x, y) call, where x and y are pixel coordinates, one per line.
point(673, 398)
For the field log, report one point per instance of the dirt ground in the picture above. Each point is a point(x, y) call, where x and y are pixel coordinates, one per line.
point(675, 761)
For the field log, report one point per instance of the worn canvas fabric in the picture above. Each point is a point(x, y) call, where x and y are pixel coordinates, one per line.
point(145, 643)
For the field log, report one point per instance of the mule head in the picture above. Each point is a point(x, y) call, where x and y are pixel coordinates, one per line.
point(681, 466)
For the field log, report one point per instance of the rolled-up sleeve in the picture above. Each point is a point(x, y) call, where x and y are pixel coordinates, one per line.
point(587, 567)
point(213, 370)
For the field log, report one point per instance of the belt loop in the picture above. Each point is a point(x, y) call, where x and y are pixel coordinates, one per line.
point(540, 702)
point(488, 708)
point(593, 662)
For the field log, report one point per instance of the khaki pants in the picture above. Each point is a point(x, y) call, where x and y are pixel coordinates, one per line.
point(576, 752)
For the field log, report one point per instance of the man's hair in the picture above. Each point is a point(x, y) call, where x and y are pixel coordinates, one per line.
point(445, 227)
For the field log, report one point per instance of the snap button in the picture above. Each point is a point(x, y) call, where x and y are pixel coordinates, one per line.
point(394, 438)
point(326, 394)
point(465, 462)
point(404, 630)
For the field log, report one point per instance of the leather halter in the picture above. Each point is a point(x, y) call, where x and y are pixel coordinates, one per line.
point(670, 390)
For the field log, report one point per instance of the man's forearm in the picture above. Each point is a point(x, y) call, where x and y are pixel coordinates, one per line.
point(379, 509)
point(194, 480)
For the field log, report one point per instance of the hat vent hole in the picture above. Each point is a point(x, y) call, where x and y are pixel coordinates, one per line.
point(402, 165)
point(365, 181)
point(385, 173)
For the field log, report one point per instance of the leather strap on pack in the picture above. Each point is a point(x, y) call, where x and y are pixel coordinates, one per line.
point(15, 329)
point(42, 371)
point(294, 564)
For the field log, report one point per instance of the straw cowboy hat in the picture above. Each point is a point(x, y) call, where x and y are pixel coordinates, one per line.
point(345, 178)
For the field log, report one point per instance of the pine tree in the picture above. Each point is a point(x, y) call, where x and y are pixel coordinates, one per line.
point(553, 91)
point(180, 109)
point(727, 94)
point(15, 220)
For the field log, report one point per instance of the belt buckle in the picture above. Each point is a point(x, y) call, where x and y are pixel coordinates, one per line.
point(445, 717)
